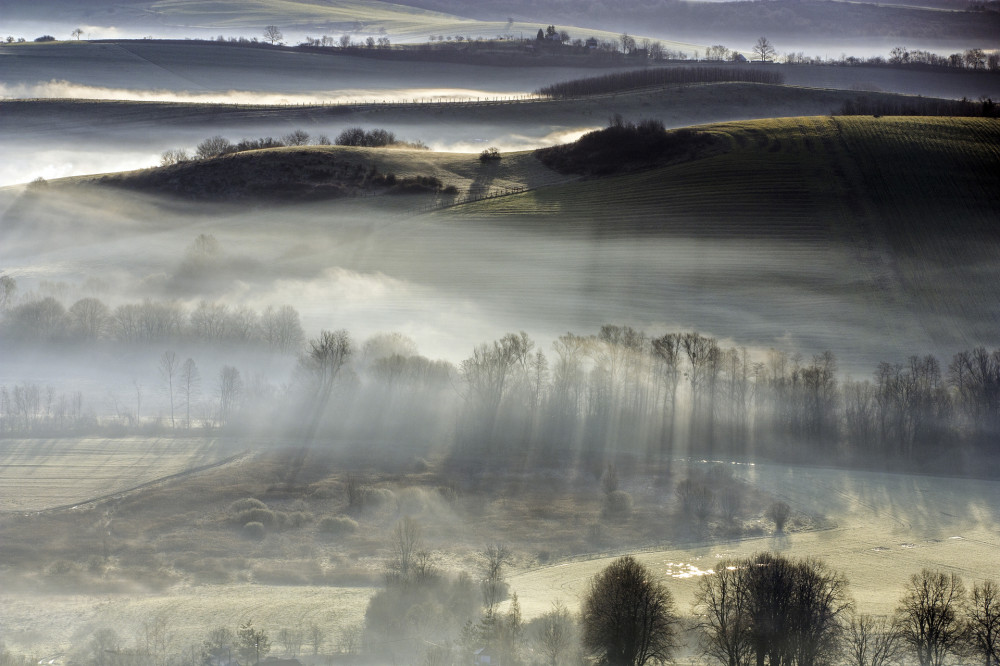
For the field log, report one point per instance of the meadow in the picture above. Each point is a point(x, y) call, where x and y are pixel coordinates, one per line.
point(787, 232)
point(43, 475)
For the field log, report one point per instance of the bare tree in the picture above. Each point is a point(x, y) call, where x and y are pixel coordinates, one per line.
point(169, 367)
point(8, 291)
point(493, 559)
point(769, 609)
point(273, 34)
point(78, 32)
point(556, 633)
point(315, 636)
point(190, 381)
point(404, 543)
point(984, 622)
point(137, 389)
point(326, 357)
point(763, 49)
point(90, 318)
point(628, 616)
point(281, 329)
point(230, 392)
point(722, 601)
point(779, 512)
point(872, 641)
point(290, 640)
point(929, 615)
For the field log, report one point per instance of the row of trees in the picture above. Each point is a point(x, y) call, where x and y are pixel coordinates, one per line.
point(768, 609)
point(622, 387)
point(216, 146)
point(88, 320)
point(641, 78)
point(619, 391)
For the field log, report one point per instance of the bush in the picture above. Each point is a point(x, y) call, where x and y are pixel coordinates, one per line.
point(297, 138)
point(263, 516)
point(357, 136)
point(45, 38)
point(245, 504)
point(173, 157)
point(617, 503)
point(491, 154)
point(213, 147)
point(779, 513)
point(337, 525)
point(625, 146)
point(254, 531)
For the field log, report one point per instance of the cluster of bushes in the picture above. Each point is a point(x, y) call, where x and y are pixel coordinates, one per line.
point(491, 154)
point(217, 146)
point(625, 146)
point(701, 495)
point(254, 518)
point(658, 76)
point(866, 106)
point(357, 136)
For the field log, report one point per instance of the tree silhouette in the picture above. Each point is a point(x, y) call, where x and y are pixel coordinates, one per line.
point(628, 616)
point(763, 49)
point(272, 34)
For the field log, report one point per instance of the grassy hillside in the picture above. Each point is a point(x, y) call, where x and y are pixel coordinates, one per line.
point(323, 172)
point(334, 17)
point(922, 176)
point(916, 199)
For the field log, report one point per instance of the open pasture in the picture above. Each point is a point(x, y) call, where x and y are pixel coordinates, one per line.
point(53, 623)
point(885, 527)
point(39, 474)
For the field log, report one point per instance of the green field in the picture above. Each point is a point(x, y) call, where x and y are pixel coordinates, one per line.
point(796, 177)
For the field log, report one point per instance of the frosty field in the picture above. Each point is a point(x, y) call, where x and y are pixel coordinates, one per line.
point(40, 474)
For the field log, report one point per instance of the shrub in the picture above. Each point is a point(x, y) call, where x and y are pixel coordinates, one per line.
point(265, 516)
point(337, 525)
point(45, 38)
point(245, 504)
point(491, 154)
point(357, 136)
point(617, 503)
point(254, 531)
point(296, 138)
point(213, 147)
point(625, 146)
point(779, 513)
point(173, 157)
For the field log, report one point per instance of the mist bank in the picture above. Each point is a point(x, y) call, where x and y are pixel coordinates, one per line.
point(619, 393)
point(60, 138)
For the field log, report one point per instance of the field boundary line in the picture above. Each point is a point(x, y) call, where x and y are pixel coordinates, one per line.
point(141, 486)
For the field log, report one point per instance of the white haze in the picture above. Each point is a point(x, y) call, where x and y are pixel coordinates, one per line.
point(61, 89)
point(451, 284)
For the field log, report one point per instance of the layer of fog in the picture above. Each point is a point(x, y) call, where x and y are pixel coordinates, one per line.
point(450, 285)
point(58, 156)
point(66, 90)
point(194, 68)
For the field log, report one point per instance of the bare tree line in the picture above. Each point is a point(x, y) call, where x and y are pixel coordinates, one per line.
point(591, 397)
point(641, 78)
point(88, 320)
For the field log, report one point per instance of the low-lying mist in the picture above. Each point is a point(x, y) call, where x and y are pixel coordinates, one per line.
point(450, 284)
